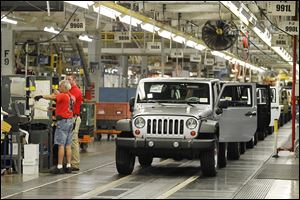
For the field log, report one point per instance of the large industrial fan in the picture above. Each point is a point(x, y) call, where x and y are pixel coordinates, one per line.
point(219, 34)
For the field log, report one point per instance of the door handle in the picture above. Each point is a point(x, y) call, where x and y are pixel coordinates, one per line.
point(250, 113)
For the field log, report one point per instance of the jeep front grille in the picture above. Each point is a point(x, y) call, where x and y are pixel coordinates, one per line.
point(165, 126)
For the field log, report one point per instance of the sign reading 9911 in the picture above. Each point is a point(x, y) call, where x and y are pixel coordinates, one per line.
point(291, 27)
point(77, 23)
point(281, 8)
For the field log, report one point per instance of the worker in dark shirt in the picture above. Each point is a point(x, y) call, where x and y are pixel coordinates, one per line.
point(63, 132)
point(75, 91)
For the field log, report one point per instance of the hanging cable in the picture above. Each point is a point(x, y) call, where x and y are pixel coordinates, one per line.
point(34, 6)
point(57, 33)
point(10, 11)
point(273, 24)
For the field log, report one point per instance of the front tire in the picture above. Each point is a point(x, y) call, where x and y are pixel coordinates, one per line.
point(242, 147)
point(222, 160)
point(233, 151)
point(209, 161)
point(250, 144)
point(124, 161)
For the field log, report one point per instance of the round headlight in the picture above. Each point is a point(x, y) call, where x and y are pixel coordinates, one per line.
point(191, 123)
point(139, 122)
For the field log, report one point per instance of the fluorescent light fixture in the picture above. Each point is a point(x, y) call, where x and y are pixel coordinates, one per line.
point(149, 27)
point(179, 39)
point(5, 19)
point(283, 53)
point(166, 34)
point(191, 43)
point(236, 11)
point(51, 30)
point(200, 47)
point(82, 4)
point(108, 12)
point(134, 21)
point(85, 38)
point(219, 54)
point(263, 36)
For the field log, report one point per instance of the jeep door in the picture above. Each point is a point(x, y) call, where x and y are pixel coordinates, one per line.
point(237, 112)
point(263, 107)
point(275, 108)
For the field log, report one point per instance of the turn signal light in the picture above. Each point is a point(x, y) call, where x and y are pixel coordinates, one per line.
point(193, 133)
point(137, 132)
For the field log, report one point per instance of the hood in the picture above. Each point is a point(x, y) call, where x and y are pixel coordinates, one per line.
point(181, 110)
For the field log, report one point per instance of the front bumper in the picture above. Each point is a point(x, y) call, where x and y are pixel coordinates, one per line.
point(167, 144)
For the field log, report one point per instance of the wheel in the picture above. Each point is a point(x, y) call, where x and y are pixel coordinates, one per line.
point(250, 144)
point(233, 151)
point(209, 161)
point(124, 161)
point(242, 147)
point(255, 138)
point(222, 160)
point(98, 137)
point(84, 146)
point(261, 135)
point(145, 161)
point(270, 130)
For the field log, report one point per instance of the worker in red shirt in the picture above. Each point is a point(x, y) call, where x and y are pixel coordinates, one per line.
point(64, 126)
point(75, 91)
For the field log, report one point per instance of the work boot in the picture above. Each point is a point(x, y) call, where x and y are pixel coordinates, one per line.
point(57, 171)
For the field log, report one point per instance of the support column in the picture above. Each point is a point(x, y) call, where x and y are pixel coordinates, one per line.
point(163, 57)
point(7, 52)
point(144, 71)
point(94, 57)
point(123, 60)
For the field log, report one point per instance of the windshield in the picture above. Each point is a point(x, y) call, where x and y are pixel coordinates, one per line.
point(173, 92)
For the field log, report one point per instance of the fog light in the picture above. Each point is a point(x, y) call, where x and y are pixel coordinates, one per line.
point(193, 133)
point(150, 143)
point(175, 144)
point(137, 132)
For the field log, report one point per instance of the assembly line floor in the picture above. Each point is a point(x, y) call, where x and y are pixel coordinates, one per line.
point(255, 175)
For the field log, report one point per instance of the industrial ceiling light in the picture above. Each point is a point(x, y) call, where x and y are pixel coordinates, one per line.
point(85, 38)
point(133, 21)
point(149, 27)
point(191, 43)
point(5, 19)
point(282, 52)
point(179, 39)
point(200, 47)
point(82, 4)
point(236, 11)
point(51, 30)
point(165, 34)
point(108, 12)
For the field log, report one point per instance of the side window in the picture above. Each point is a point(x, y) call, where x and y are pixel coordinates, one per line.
point(237, 96)
point(262, 95)
point(273, 95)
point(215, 92)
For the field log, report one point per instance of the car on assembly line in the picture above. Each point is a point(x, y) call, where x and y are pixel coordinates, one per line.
point(186, 118)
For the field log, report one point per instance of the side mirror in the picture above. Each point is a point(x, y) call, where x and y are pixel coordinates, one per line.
point(219, 111)
point(223, 104)
point(131, 104)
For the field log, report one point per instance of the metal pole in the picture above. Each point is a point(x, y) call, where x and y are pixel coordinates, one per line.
point(294, 82)
point(276, 138)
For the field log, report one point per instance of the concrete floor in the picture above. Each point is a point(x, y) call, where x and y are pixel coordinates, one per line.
point(98, 177)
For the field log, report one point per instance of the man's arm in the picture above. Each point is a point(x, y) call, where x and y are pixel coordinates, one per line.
point(50, 97)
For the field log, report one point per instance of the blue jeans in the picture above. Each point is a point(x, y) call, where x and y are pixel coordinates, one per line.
point(63, 132)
